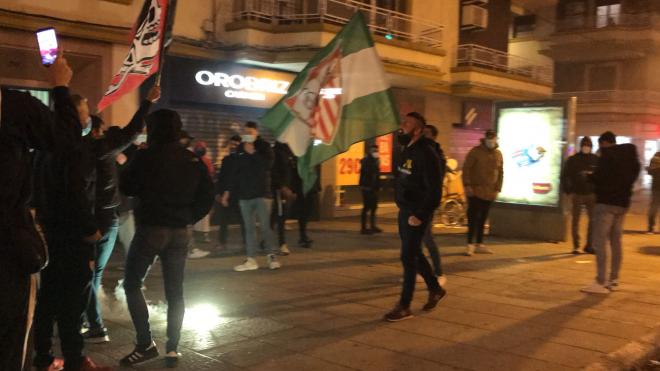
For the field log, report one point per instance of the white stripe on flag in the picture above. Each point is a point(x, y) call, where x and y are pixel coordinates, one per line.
point(362, 74)
point(296, 135)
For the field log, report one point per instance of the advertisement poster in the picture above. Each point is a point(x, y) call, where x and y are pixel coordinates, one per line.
point(531, 141)
point(348, 165)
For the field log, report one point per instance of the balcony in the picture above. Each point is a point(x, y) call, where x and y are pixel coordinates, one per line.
point(280, 16)
point(490, 73)
point(622, 20)
point(640, 102)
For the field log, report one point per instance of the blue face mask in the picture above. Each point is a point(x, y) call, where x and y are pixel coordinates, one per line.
point(88, 129)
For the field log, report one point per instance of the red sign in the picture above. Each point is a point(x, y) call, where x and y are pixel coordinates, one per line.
point(384, 144)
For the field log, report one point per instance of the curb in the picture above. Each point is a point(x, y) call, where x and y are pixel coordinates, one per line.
point(632, 356)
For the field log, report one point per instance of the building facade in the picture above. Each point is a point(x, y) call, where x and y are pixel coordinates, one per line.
point(449, 60)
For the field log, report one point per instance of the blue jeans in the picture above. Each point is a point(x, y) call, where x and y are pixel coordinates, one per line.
point(608, 226)
point(171, 245)
point(253, 211)
point(103, 252)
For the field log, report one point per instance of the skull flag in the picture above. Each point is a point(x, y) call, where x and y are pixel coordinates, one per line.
point(143, 59)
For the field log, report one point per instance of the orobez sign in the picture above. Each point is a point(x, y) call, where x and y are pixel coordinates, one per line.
point(242, 87)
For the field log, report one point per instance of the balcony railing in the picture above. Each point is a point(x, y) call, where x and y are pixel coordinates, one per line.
point(626, 20)
point(382, 21)
point(613, 96)
point(472, 55)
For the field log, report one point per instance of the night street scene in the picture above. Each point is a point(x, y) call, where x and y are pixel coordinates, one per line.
point(329, 185)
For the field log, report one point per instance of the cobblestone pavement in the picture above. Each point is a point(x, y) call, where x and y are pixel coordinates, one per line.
point(519, 309)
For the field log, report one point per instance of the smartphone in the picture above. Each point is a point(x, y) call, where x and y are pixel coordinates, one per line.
point(47, 40)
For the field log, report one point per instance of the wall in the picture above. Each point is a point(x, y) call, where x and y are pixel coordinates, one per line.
point(91, 11)
point(496, 36)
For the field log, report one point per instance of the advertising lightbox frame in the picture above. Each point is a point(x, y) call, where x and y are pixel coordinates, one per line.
point(542, 222)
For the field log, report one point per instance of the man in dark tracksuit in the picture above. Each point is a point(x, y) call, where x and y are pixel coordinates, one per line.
point(284, 162)
point(174, 191)
point(418, 192)
point(227, 214)
point(575, 182)
point(370, 185)
point(65, 209)
point(26, 123)
point(107, 145)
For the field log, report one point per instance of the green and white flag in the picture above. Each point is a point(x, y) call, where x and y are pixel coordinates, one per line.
point(340, 98)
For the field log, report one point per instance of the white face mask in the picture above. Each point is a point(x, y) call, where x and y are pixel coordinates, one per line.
point(586, 150)
point(249, 138)
point(142, 138)
point(491, 143)
point(375, 154)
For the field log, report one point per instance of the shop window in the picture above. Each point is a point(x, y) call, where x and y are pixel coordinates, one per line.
point(602, 77)
point(608, 15)
point(524, 25)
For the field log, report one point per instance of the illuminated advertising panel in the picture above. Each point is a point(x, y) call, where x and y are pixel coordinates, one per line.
point(384, 144)
point(348, 165)
point(531, 138)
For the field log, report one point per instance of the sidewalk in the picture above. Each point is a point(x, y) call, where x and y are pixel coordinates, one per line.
point(519, 309)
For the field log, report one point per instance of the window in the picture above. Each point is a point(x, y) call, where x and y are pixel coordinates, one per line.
point(523, 25)
point(602, 77)
point(608, 15)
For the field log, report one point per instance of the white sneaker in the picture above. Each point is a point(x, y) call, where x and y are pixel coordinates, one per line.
point(613, 285)
point(284, 250)
point(442, 280)
point(483, 249)
point(595, 288)
point(249, 265)
point(197, 253)
point(469, 251)
point(273, 263)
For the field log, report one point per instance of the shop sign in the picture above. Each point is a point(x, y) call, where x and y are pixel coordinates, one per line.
point(348, 165)
point(242, 87)
point(384, 144)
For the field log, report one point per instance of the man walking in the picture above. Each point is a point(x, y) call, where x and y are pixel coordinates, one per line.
point(618, 168)
point(174, 190)
point(418, 191)
point(654, 171)
point(577, 185)
point(370, 185)
point(483, 173)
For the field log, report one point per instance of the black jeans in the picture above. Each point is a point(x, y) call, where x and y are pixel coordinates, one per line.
point(432, 247)
point(477, 214)
point(226, 215)
point(65, 291)
point(303, 206)
point(278, 216)
point(369, 206)
point(413, 259)
point(14, 301)
point(589, 202)
point(171, 245)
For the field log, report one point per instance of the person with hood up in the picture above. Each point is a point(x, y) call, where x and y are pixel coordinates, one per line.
point(174, 190)
point(617, 170)
point(576, 184)
point(483, 174)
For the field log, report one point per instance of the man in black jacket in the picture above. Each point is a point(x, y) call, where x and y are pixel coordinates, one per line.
point(284, 163)
point(64, 201)
point(174, 191)
point(370, 185)
point(26, 123)
point(617, 170)
point(223, 179)
point(108, 143)
point(418, 192)
point(576, 183)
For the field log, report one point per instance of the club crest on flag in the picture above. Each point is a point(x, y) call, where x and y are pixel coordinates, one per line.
point(318, 101)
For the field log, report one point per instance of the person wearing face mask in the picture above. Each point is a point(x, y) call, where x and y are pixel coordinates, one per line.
point(418, 192)
point(576, 184)
point(370, 185)
point(483, 173)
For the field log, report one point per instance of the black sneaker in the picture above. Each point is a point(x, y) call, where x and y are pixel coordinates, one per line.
point(366, 231)
point(305, 242)
point(140, 354)
point(172, 359)
point(589, 250)
point(376, 230)
point(434, 298)
point(97, 336)
point(397, 314)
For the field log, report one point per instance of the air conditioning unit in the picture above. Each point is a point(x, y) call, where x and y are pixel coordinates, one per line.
point(474, 17)
point(474, 2)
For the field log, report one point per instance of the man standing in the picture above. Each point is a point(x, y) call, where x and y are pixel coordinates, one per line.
point(418, 192)
point(618, 168)
point(223, 179)
point(654, 171)
point(173, 190)
point(483, 173)
point(370, 185)
point(431, 132)
point(108, 143)
point(576, 183)
point(251, 185)
point(284, 164)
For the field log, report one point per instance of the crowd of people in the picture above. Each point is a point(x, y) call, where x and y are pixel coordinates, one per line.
point(85, 185)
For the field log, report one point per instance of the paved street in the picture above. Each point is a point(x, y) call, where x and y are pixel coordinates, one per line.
point(519, 309)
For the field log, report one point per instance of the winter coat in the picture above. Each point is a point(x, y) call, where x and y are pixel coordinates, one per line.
point(575, 174)
point(483, 171)
point(617, 170)
point(370, 173)
point(654, 171)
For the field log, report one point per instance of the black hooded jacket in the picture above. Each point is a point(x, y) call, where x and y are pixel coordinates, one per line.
point(617, 170)
point(172, 185)
point(26, 124)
